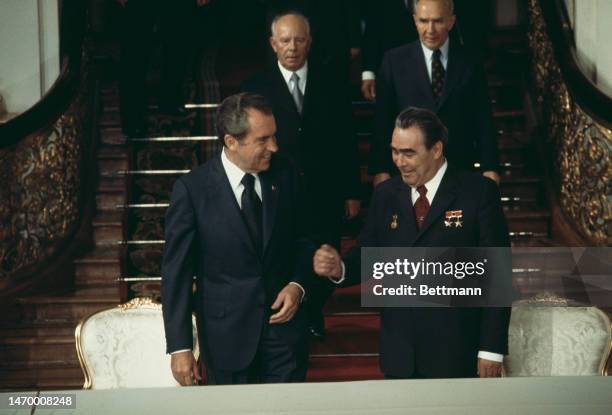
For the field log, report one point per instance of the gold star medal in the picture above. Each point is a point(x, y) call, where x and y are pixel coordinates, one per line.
point(394, 224)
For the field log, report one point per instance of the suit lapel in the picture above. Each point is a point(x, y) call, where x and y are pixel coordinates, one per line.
point(445, 195)
point(422, 74)
point(404, 193)
point(269, 190)
point(281, 91)
point(453, 72)
point(226, 201)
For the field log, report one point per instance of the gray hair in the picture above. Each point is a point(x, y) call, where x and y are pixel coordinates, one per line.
point(290, 13)
point(233, 117)
point(450, 5)
point(427, 121)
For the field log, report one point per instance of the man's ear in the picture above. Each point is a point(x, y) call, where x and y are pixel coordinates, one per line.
point(438, 149)
point(230, 141)
point(452, 22)
point(272, 43)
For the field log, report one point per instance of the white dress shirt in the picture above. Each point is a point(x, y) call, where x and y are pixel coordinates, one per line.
point(432, 188)
point(428, 53)
point(302, 73)
point(234, 175)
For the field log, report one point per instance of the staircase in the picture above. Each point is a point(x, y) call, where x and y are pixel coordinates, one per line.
point(37, 334)
point(135, 179)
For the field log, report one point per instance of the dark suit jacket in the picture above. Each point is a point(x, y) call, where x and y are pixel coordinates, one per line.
point(464, 108)
point(321, 140)
point(437, 342)
point(388, 24)
point(206, 236)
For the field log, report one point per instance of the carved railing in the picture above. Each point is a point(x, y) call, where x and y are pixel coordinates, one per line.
point(579, 119)
point(45, 164)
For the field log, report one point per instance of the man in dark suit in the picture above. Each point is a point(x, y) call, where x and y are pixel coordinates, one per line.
point(388, 24)
point(411, 210)
point(313, 115)
point(234, 224)
point(439, 75)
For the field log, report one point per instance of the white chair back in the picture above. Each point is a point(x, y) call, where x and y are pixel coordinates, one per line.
point(125, 347)
point(550, 336)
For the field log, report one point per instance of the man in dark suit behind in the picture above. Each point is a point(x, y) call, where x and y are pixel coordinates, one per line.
point(313, 115)
point(388, 24)
point(234, 224)
point(439, 75)
point(410, 210)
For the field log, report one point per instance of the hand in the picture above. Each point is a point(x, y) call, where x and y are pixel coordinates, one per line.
point(352, 208)
point(354, 53)
point(488, 368)
point(122, 3)
point(185, 368)
point(492, 175)
point(379, 178)
point(201, 3)
point(368, 89)
point(289, 298)
point(327, 262)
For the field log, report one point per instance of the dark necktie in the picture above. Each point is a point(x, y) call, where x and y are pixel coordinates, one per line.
point(421, 206)
point(251, 209)
point(437, 75)
point(296, 93)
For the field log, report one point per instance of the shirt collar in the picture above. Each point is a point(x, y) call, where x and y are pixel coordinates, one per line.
point(302, 72)
point(433, 183)
point(233, 172)
point(429, 53)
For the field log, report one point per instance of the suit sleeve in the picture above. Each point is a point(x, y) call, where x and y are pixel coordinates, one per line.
point(348, 148)
point(380, 161)
point(367, 238)
point(486, 136)
point(493, 232)
point(304, 245)
point(372, 47)
point(178, 270)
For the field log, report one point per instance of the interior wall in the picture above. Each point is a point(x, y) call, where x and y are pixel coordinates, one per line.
point(29, 41)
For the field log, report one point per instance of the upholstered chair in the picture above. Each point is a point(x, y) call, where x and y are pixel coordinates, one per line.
point(125, 347)
point(551, 336)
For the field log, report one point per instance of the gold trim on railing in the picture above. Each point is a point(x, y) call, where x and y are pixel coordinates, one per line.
point(40, 184)
point(583, 145)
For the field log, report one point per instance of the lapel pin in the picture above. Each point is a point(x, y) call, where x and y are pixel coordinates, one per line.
point(394, 224)
point(273, 188)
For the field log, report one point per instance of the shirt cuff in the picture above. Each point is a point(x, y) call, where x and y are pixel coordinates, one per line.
point(368, 76)
point(494, 357)
point(342, 277)
point(300, 287)
point(180, 351)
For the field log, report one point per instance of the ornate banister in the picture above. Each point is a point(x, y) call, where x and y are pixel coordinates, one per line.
point(579, 120)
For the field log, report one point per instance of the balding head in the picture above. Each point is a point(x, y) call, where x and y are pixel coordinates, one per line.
point(291, 40)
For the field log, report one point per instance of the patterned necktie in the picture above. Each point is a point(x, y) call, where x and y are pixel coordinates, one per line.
point(251, 210)
point(296, 93)
point(421, 206)
point(437, 75)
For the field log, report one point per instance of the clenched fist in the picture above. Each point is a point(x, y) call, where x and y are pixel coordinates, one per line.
point(327, 262)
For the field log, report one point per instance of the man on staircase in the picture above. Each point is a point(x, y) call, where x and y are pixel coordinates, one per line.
point(312, 108)
point(412, 210)
point(438, 74)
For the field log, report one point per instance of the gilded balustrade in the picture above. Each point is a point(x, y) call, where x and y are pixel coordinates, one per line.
point(583, 145)
point(40, 184)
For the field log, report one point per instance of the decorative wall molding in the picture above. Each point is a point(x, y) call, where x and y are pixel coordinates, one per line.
point(583, 146)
